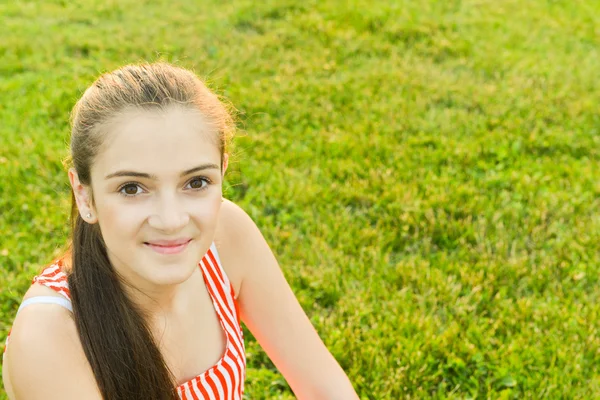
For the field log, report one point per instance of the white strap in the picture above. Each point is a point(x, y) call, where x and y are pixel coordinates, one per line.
point(213, 247)
point(47, 300)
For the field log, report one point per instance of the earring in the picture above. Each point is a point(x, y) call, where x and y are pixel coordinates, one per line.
point(88, 215)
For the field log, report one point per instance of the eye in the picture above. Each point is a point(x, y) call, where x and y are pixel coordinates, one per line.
point(129, 189)
point(198, 183)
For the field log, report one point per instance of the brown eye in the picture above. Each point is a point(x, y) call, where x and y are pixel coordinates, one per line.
point(129, 189)
point(198, 183)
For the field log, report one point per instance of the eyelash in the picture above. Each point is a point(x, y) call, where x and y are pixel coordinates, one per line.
point(202, 178)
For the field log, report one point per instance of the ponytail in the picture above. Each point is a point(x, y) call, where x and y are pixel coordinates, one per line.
point(117, 342)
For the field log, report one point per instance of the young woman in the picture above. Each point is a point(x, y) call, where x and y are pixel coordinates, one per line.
point(147, 302)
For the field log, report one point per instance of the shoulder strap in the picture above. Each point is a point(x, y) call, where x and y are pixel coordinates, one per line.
point(47, 300)
point(54, 278)
point(213, 247)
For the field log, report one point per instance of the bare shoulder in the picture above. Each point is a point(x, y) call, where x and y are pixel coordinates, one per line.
point(270, 310)
point(236, 238)
point(44, 358)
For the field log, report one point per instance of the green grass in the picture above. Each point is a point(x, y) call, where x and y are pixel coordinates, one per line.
point(427, 173)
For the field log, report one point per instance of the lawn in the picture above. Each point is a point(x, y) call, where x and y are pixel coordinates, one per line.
point(427, 172)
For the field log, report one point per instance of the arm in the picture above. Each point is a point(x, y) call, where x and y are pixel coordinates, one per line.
point(45, 357)
point(271, 311)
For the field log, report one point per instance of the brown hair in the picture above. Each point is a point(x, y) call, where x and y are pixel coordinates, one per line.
point(116, 338)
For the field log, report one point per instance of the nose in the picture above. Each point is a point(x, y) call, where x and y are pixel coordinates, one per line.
point(169, 216)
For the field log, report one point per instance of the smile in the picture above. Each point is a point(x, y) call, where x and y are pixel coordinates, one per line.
point(168, 249)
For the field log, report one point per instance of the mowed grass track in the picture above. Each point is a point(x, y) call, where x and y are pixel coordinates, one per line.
point(426, 172)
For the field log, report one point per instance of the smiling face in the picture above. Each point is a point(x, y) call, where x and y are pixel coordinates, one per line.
point(157, 191)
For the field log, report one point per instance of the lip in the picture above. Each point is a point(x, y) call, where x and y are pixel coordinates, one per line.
point(168, 246)
point(168, 243)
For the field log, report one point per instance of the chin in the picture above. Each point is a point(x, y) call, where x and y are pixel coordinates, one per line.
point(168, 270)
point(171, 276)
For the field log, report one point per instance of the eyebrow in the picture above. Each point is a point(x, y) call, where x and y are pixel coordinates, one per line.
point(154, 177)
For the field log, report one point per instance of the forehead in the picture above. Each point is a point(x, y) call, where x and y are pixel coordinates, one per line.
point(158, 142)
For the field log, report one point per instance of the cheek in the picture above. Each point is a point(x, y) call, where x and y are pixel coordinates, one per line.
point(118, 221)
point(206, 212)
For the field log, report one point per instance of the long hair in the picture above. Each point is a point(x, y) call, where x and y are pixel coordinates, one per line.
point(116, 338)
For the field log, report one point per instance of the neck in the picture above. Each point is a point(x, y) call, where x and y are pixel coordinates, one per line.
point(156, 301)
point(160, 301)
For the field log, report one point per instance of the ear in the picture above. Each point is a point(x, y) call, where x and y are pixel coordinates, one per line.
point(225, 163)
point(83, 198)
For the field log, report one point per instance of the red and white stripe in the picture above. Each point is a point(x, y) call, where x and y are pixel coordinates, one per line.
point(225, 379)
point(54, 278)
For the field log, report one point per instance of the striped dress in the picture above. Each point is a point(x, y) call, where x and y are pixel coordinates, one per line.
point(225, 379)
